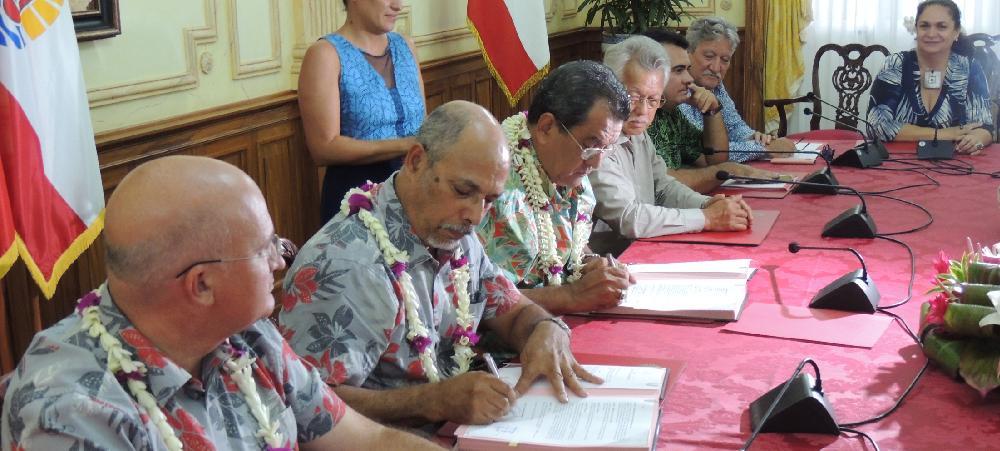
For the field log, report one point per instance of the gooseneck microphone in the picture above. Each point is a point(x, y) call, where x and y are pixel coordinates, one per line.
point(862, 156)
point(794, 247)
point(823, 176)
point(934, 149)
point(852, 292)
point(882, 150)
point(855, 222)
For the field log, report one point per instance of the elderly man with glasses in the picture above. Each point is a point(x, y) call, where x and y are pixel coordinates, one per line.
point(176, 350)
point(635, 196)
point(537, 230)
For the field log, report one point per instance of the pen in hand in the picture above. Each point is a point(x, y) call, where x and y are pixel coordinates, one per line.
point(491, 364)
point(612, 262)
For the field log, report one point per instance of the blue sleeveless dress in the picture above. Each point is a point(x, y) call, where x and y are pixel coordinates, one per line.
point(371, 111)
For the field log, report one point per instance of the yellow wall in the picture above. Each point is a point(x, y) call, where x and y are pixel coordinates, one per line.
point(181, 56)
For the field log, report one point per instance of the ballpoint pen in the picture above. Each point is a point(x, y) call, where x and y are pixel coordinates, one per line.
point(491, 364)
point(612, 262)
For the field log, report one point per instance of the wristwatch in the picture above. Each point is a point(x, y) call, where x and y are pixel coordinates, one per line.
point(562, 324)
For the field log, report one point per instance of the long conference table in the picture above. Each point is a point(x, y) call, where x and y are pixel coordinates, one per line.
point(716, 374)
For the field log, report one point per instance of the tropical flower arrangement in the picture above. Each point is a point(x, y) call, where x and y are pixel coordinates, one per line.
point(960, 326)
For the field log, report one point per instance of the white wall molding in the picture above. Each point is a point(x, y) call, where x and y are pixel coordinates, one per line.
point(569, 11)
point(313, 19)
point(260, 66)
point(188, 79)
point(453, 34)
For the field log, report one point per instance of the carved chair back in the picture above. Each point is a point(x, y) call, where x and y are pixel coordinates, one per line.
point(851, 80)
point(986, 56)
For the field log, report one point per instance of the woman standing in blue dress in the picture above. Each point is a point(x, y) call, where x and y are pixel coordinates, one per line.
point(361, 99)
point(933, 90)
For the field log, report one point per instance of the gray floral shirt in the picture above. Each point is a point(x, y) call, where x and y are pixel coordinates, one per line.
point(342, 312)
point(62, 395)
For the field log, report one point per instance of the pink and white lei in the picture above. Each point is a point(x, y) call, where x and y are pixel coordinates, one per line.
point(132, 374)
point(359, 201)
point(518, 137)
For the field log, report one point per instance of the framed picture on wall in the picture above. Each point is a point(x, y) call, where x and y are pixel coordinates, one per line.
point(701, 7)
point(95, 19)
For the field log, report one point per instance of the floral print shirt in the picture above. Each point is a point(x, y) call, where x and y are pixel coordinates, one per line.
point(742, 146)
point(342, 312)
point(677, 141)
point(896, 101)
point(509, 231)
point(62, 396)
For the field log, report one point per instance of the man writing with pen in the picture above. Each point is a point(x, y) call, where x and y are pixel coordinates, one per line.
point(537, 229)
point(635, 196)
point(387, 300)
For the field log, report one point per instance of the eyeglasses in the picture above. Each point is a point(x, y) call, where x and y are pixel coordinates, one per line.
point(587, 153)
point(279, 248)
point(652, 102)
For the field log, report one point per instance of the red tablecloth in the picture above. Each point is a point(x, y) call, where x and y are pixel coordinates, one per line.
point(723, 372)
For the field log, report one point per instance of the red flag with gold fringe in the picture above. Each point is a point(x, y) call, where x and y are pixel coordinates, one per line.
point(514, 41)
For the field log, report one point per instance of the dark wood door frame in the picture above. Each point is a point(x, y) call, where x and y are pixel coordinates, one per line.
point(755, 31)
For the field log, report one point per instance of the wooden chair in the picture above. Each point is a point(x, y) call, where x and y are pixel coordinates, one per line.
point(851, 80)
point(983, 53)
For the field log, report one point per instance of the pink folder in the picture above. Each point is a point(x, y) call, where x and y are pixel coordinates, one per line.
point(763, 221)
point(803, 323)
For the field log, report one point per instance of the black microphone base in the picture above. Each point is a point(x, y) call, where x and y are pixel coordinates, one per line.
point(801, 409)
point(852, 223)
point(935, 150)
point(821, 177)
point(881, 149)
point(862, 156)
point(852, 292)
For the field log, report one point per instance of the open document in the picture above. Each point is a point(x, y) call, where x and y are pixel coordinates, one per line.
point(623, 413)
point(714, 290)
point(800, 156)
point(755, 185)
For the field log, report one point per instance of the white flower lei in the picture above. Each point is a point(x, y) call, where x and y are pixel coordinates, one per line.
point(120, 363)
point(359, 201)
point(465, 336)
point(518, 137)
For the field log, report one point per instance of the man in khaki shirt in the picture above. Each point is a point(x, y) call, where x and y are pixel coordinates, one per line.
point(635, 196)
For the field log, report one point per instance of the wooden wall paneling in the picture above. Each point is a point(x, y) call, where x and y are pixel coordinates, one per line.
point(238, 151)
point(483, 90)
point(283, 164)
point(733, 80)
point(23, 320)
point(7, 361)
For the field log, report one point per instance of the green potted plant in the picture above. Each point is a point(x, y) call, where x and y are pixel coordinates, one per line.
point(625, 17)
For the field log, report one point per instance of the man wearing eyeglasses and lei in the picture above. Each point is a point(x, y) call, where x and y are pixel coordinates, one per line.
point(537, 230)
point(635, 196)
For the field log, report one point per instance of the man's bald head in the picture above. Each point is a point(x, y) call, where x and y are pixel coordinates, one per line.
point(174, 210)
point(449, 123)
point(456, 172)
